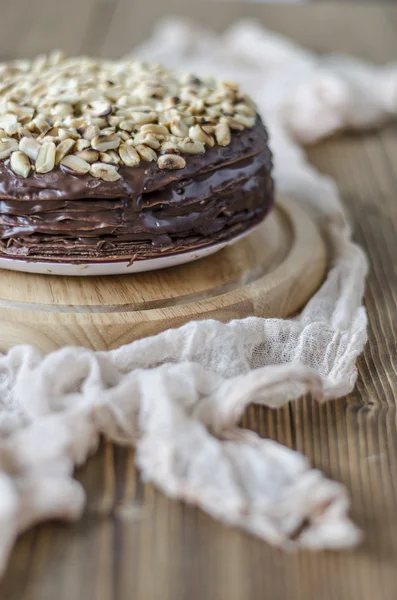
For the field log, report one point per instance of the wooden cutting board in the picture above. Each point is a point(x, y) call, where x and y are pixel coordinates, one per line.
point(270, 273)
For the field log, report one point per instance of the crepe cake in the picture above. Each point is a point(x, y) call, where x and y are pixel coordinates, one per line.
point(111, 160)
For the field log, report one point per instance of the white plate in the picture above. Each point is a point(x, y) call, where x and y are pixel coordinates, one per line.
point(114, 268)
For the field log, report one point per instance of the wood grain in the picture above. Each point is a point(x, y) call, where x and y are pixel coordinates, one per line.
point(272, 272)
point(135, 543)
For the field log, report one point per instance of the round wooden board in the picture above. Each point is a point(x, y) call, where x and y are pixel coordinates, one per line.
point(271, 273)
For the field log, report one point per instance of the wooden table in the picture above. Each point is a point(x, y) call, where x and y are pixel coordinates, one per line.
point(134, 543)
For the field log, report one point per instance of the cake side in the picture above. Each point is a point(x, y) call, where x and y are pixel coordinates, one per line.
point(187, 213)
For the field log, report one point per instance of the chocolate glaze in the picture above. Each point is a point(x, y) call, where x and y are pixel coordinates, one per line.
point(147, 212)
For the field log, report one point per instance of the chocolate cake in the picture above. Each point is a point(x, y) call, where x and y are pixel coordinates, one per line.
point(115, 160)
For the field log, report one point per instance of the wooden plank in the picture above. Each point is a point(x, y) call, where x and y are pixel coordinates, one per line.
point(102, 13)
point(132, 541)
point(324, 27)
point(40, 26)
point(14, 23)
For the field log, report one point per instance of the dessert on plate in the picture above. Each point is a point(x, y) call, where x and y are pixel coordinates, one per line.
point(111, 160)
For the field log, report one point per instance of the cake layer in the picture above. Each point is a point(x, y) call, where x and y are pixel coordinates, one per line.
point(147, 212)
point(146, 177)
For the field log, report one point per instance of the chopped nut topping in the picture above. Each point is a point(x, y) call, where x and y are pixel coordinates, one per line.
point(171, 162)
point(105, 142)
point(66, 134)
point(7, 146)
point(89, 156)
point(76, 164)
point(198, 134)
point(127, 125)
point(141, 117)
point(233, 124)
point(20, 163)
point(129, 155)
point(191, 147)
point(22, 132)
point(222, 134)
point(179, 128)
point(9, 123)
point(30, 147)
point(148, 140)
point(94, 116)
point(45, 160)
point(110, 157)
point(81, 144)
point(125, 137)
point(104, 171)
point(40, 123)
point(62, 150)
point(146, 153)
point(91, 132)
point(155, 130)
point(100, 109)
point(244, 120)
point(245, 109)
